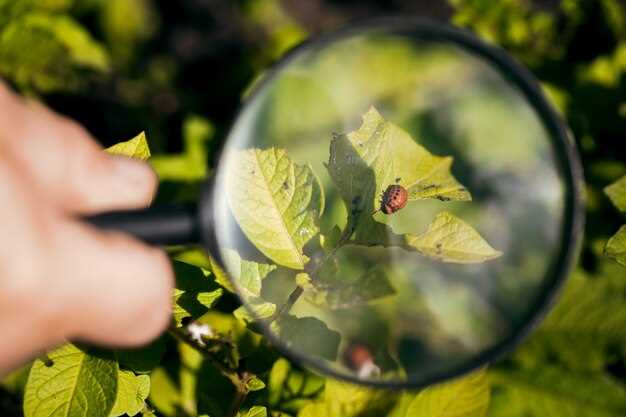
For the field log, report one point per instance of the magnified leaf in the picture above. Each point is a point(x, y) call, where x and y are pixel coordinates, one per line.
point(260, 310)
point(195, 292)
point(137, 148)
point(73, 383)
point(365, 162)
point(132, 391)
point(276, 203)
point(307, 335)
point(335, 292)
point(617, 193)
point(463, 397)
point(450, 239)
point(247, 274)
point(256, 411)
point(616, 246)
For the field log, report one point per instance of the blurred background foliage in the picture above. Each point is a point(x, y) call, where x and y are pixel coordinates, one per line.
point(179, 71)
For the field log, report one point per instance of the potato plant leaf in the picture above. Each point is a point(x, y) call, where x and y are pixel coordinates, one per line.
point(467, 396)
point(195, 292)
point(617, 193)
point(74, 383)
point(338, 293)
point(343, 399)
point(450, 239)
point(132, 391)
point(247, 274)
point(275, 202)
point(363, 163)
point(136, 147)
point(307, 335)
point(549, 391)
point(616, 246)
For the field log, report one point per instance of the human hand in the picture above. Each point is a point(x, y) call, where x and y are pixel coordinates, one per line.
point(59, 277)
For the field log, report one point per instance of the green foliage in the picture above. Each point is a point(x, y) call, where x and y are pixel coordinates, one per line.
point(616, 245)
point(195, 292)
point(463, 397)
point(450, 239)
point(71, 382)
point(47, 52)
point(275, 202)
point(136, 148)
point(562, 367)
point(132, 391)
point(364, 163)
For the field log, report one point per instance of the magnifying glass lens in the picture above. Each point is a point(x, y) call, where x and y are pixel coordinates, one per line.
point(391, 205)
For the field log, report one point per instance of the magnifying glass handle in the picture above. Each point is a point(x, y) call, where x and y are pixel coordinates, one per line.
point(158, 225)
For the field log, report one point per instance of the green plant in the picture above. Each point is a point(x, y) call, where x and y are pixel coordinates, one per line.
point(616, 245)
point(218, 352)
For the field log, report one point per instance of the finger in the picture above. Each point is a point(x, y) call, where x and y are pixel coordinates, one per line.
point(117, 290)
point(68, 166)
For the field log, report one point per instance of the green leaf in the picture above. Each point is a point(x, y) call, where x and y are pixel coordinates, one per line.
point(337, 293)
point(132, 391)
point(548, 391)
point(256, 411)
point(46, 52)
point(77, 384)
point(342, 399)
point(275, 202)
point(136, 148)
point(584, 327)
point(365, 162)
point(195, 292)
point(467, 396)
point(450, 239)
point(276, 380)
point(617, 193)
point(616, 246)
point(307, 335)
point(254, 383)
point(247, 274)
point(260, 310)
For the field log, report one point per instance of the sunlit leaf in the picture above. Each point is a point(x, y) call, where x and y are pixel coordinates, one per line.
point(134, 148)
point(247, 274)
point(450, 239)
point(616, 246)
point(342, 399)
point(363, 163)
point(73, 383)
point(276, 203)
point(467, 396)
point(132, 391)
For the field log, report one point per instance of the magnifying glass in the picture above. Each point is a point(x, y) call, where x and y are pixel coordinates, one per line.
point(396, 204)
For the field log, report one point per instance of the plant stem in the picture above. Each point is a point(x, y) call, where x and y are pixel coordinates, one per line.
point(231, 374)
point(240, 397)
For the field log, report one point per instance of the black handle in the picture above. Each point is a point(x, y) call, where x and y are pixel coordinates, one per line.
point(158, 225)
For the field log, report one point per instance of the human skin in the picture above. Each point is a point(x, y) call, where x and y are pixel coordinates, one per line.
point(60, 278)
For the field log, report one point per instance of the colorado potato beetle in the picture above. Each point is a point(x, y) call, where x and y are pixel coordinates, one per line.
point(393, 199)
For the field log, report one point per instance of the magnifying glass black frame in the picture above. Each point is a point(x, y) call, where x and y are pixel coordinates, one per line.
point(170, 225)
